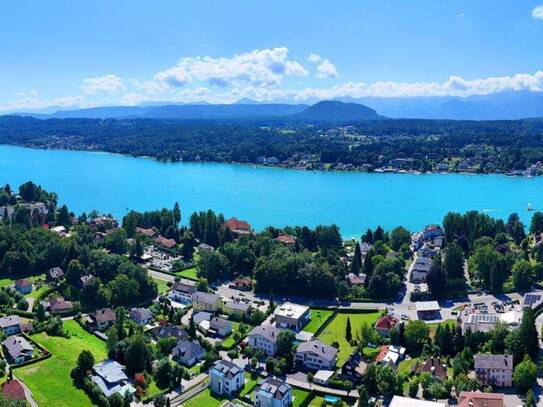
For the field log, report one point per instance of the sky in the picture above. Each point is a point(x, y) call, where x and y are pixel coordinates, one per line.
point(67, 53)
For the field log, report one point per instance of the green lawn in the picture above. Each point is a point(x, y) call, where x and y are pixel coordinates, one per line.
point(405, 366)
point(37, 292)
point(161, 285)
point(433, 326)
point(50, 380)
point(318, 317)
point(335, 331)
point(4, 282)
point(298, 395)
point(250, 384)
point(230, 341)
point(204, 399)
point(316, 402)
point(188, 273)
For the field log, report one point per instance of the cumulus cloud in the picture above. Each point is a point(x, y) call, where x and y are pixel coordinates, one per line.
point(266, 67)
point(537, 12)
point(109, 83)
point(326, 70)
point(34, 103)
point(314, 58)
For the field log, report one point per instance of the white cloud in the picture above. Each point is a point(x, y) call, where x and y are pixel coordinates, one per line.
point(34, 103)
point(537, 12)
point(109, 83)
point(267, 67)
point(314, 58)
point(326, 70)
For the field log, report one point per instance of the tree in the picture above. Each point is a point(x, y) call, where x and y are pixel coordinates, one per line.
point(398, 237)
point(63, 217)
point(416, 334)
point(74, 273)
point(85, 361)
point(530, 399)
point(536, 225)
point(525, 374)
point(285, 339)
point(363, 399)
point(453, 264)
point(348, 331)
point(137, 355)
point(522, 275)
point(436, 280)
point(368, 265)
point(529, 333)
point(515, 228)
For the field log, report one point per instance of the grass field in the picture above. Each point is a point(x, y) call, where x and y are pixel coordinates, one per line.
point(161, 285)
point(335, 331)
point(433, 326)
point(316, 402)
point(405, 366)
point(230, 341)
point(50, 380)
point(250, 384)
point(204, 399)
point(188, 273)
point(318, 317)
point(298, 395)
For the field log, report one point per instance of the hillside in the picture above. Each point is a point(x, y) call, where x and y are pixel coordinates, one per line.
point(336, 111)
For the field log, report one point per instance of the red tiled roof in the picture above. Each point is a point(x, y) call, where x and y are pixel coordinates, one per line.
point(382, 353)
point(286, 239)
point(23, 282)
point(386, 322)
point(478, 399)
point(237, 225)
point(168, 243)
point(146, 232)
point(13, 390)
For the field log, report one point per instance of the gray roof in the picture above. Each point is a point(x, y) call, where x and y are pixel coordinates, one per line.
point(10, 320)
point(140, 314)
point(55, 272)
point(184, 287)
point(103, 315)
point(208, 298)
point(17, 346)
point(168, 331)
point(188, 350)
point(276, 388)
point(423, 264)
point(219, 323)
point(493, 361)
point(237, 305)
point(110, 370)
point(325, 351)
point(227, 368)
point(267, 331)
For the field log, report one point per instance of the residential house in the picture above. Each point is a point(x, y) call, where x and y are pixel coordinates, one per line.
point(141, 316)
point(354, 368)
point(420, 269)
point(264, 337)
point(323, 376)
point(385, 324)
point(10, 324)
point(188, 353)
point(57, 305)
point(238, 227)
point(356, 279)
point(225, 378)
point(54, 275)
point(167, 331)
point(110, 377)
point(494, 370)
point(292, 316)
point(18, 349)
point(434, 366)
point(205, 301)
point(272, 393)
point(182, 292)
point(24, 286)
point(237, 308)
point(286, 239)
point(84, 280)
point(59, 230)
point(400, 401)
point(316, 355)
point(203, 247)
point(220, 326)
point(165, 243)
point(478, 399)
point(100, 319)
point(427, 309)
point(13, 390)
point(146, 232)
point(390, 355)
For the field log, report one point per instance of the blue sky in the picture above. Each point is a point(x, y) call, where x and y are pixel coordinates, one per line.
point(70, 53)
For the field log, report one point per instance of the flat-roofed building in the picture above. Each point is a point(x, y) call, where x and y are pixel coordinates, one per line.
point(292, 316)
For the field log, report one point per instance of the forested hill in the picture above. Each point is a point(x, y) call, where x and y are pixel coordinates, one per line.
point(334, 111)
point(507, 145)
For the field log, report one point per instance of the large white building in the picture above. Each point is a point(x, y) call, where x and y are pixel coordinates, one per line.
point(292, 316)
point(316, 355)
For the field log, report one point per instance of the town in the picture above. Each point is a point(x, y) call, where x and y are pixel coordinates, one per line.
point(145, 311)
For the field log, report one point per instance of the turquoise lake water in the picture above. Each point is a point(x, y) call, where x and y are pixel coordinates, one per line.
point(114, 184)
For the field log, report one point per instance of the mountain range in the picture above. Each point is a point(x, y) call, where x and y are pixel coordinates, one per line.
point(496, 106)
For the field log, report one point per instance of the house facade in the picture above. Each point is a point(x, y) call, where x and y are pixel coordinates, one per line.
point(225, 378)
point(100, 319)
point(18, 349)
point(292, 316)
point(182, 292)
point(10, 324)
point(24, 286)
point(188, 353)
point(316, 355)
point(220, 326)
point(495, 370)
point(110, 377)
point(205, 302)
point(273, 393)
point(264, 337)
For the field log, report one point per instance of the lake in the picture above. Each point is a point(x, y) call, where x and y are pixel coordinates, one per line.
point(113, 183)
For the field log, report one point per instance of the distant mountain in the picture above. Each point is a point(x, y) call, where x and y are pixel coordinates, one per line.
point(336, 111)
point(246, 101)
point(496, 106)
